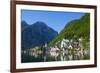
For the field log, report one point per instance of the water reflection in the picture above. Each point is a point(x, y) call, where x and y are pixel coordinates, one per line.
point(40, 56)
point(68, 50)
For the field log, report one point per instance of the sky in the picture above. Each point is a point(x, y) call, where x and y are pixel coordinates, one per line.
point(54, 19)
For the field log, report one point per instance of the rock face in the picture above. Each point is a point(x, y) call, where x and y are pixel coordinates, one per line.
point(23, 25)
point(36, 34)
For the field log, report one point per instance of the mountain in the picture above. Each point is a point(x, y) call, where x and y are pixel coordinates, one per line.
point(75, 29)
point(37, 34)
point(23, 25)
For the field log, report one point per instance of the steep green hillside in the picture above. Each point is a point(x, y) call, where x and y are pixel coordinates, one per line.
point(75, 29)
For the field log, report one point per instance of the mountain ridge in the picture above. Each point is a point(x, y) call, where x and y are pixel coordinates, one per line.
point(75, 29)
point(37, 34)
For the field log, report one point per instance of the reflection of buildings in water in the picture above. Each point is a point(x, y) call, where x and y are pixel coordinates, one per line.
point(54, 54)
point(44, 58)
point(70, 57)
point(54, 49)
point(62, 56)
point(24, 51)
point(34, 54)
point(63, 51)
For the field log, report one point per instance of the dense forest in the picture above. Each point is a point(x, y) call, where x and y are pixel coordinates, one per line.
point(75, 29)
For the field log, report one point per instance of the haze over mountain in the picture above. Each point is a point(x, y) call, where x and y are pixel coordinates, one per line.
point(36, 34)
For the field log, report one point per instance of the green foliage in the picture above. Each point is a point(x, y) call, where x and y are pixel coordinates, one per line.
point(75, 29)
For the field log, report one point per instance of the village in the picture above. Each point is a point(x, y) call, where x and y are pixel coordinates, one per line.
point(64, 50)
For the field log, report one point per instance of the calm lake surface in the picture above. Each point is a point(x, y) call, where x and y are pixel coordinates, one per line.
point(48, 56)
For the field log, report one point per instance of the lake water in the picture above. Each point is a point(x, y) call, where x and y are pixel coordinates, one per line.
point(47, 56)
